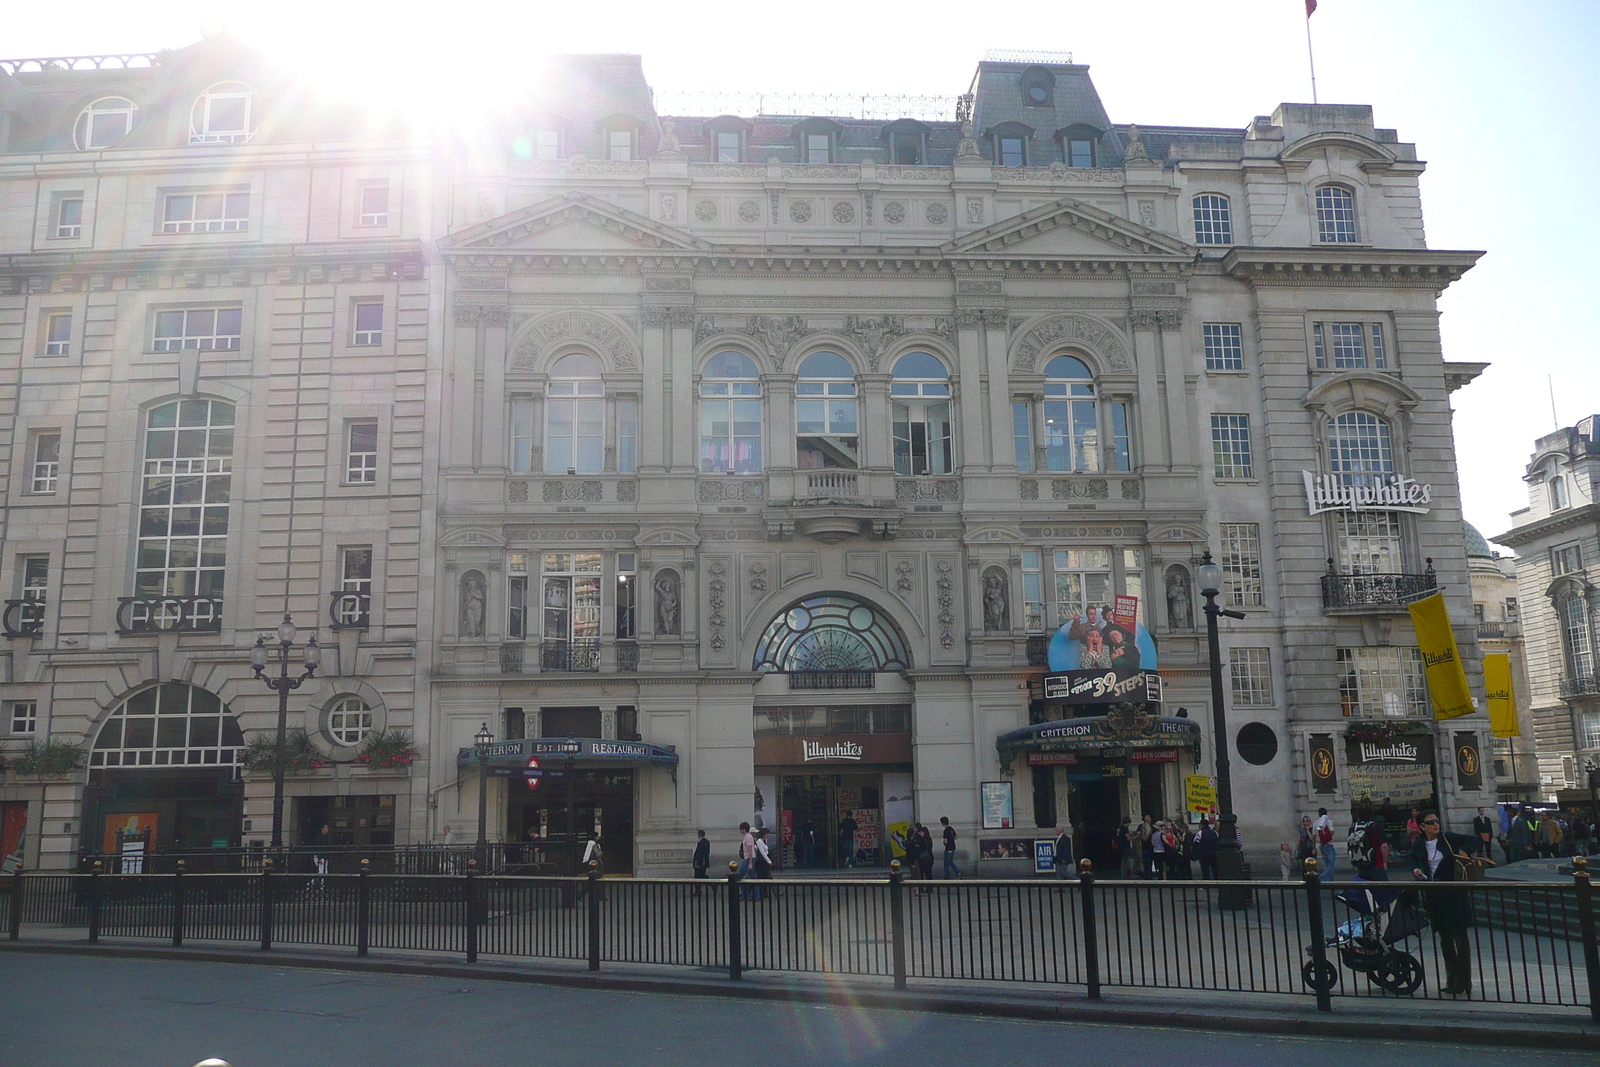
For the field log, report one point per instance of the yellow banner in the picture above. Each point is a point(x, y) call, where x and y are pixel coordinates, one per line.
point(1502, 698)
point(1441, 662)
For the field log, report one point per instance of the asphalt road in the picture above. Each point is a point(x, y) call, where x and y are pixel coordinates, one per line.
point(60, 1011)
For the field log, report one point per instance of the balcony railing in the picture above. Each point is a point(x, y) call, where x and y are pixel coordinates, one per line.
point(168, 614)
point(831, 483)
point(1375, 590)
point(349, 609)
point(570, 656)
point(511, 659)
point(23, 618)
point(832, 680)
point(1580, 685)
point(1501, 630)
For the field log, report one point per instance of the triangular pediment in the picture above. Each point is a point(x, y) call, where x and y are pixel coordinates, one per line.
point(574, 224)
point(1069, 229)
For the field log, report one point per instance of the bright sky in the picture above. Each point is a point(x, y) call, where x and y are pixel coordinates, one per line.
point(1474, 83)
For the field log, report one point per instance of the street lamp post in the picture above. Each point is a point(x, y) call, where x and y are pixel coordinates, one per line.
point(484, 739)
point(282, 684)
point(1592, 769)
point(1230, 858)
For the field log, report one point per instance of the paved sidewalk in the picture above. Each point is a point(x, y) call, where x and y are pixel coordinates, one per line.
point(1393, 1019)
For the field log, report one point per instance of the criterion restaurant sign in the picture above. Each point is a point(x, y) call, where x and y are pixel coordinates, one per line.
point(1386, 493)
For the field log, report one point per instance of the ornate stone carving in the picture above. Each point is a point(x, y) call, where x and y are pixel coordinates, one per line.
point(1079, 489)
point(669, 616)
point(750, 211)
point(1154, 319)
point(937, 213)
point(1086, 331)
point(668, 282)
point(800, 211)
point(561, 327)
point(732, 490)
point(894, 212)
point(758, 577)
point(627, 491)
point(1147, 213)
point(944, 326)
point(669, 138)
point(874, 335)
point(996, 601)
point(947, 599)
point(844, 212)
point(474, 594)
point(585, 491)
point(778, 333)
point(902, 580)
point(706, 210)
point(1028, 489)
point(1130, 489)
point(517, 492)
point(1180, 599)
point(669, 206)
point(482, 315)
point(978, 286)
point(975, 209)
point(909, 489)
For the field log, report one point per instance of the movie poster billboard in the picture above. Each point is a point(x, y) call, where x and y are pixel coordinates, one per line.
point(1103, 655)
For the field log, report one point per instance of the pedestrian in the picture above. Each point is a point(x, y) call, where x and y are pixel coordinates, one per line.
point(804, 844)
point(1182, 855)
point(925, 852)
point(1434, 859)
point(847, 842)
point(1413, 827)
point(1158, 851)
point(1368, 846)
point(702, 859)
point(761, 861)
point(913, 846)
point(949, 835)
point(1285, 860)
point(1519, 838)
point(1064, 866)
point(1126, 846)
point(747, 856)
point(1305, 847)
point(1146, 833)
point(1325, 850)
point(1483, 828)
point(1206, 843)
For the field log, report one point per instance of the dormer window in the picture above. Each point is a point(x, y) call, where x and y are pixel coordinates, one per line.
point(1038, 88)
point(226, 113)
point(1558, 492)
point(817, 140)
point(546, 144)
point(907, 143)
point(104, 122)
point(1079, 146)
point(819, 148)
point(620, 146)
point(728, 146)
point(1010, 144)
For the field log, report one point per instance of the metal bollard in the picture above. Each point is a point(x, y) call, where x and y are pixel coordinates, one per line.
point(1586, 924)
point(363, 909)
point(1320, 975)
point(177, 905)
point(1091, 929)
point(594, 915)
point(735, 969)
point(897, 920)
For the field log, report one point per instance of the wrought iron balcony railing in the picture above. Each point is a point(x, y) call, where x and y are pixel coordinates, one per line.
point(1038, 650)
point(23, 618)
point(349, 609)
point(1375, 590)
point(573, 656)
point(1580, 685)
point(163, 614)
point(511, 659)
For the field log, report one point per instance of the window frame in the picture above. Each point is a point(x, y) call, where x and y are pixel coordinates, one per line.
point(718, 152)
point(1575, 621)
point(1556, 492)
point(83, 127)
point(1240, 558)
point(349, 705)
point(57, 345)
point(351, 580)
point(1566, 559)
point(202, 342)
point(1250, 676)
point(580, 392)
point(61, 229)
point(1328, 354)
point(196, 532)
point(1232, 451)
point(44, 475)
point(829, 391)
point(368, 337)
point(809, 146)
point(919, 396)
point(22, 718)
point(1403, 676)
point(1213, 220)
point(233, 216)
point(1223, 343)
point(200, 116)
point(628, 146)
point(718, 390)
point(1332, 225)
point(361, 467)
point(566, 616)
point(1355, 458)
point(367, 217)
point(517, 604)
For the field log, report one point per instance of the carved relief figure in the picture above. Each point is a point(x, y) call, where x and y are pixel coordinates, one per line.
point(1180, 605)
point(996, 601)
point(667, 614)
point(473, 593)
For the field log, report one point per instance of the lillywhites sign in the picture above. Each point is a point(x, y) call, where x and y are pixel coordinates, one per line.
point(1391, 493)
point(817, 750)
point(1392, 752)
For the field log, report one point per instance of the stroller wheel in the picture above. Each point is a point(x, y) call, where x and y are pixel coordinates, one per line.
point(1406, 975)
point(1319, 976)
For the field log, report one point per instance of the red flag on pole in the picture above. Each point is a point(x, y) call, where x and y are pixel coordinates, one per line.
point(1311, 5)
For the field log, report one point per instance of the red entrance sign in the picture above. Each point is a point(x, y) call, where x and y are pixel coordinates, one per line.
point(533, 772)
point(1154, 755)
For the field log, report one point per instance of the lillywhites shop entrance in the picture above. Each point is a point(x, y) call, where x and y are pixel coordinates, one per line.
point(833, 783)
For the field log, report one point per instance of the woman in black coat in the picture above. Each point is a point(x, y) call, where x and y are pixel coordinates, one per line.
point(1433, 859)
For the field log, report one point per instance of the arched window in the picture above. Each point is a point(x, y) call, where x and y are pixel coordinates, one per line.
point(832, 633)
point(1577, 634)
point(575, 419)
point(826, 423)
point(1360, 452)
point(1073, 435)
point(183, 516)
point(1213, 220)
point(921, 391)
point(730, 415)
point(1558, 492)
point(349, 721)
point(169, 725)
point(1336, 214)
point(104, 122)
point(226, 113)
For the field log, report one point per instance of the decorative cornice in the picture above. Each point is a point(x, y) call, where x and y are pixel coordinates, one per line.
point(191, 266)
point(1365, 267)
point(1587, 515)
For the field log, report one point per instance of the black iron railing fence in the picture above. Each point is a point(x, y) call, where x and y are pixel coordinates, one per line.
point(1529, 944)
point(555, 854)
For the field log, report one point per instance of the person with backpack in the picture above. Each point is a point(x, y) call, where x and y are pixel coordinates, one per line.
point(1367, 846)
point(1326, 853)
point(949, 834)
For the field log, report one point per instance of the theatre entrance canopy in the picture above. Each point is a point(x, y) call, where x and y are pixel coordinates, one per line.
point(1125, 731)
point(508, 758)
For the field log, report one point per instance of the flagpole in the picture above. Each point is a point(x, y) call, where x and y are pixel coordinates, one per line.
point(1310, 58)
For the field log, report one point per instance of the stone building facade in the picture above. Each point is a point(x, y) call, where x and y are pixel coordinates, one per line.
point(1557, 538)
point(742, 468)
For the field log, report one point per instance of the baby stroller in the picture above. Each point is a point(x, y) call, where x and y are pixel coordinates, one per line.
point(1369, 942)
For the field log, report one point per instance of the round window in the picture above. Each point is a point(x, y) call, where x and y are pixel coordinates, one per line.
point(1257, 743)
point(349, 721)
point(1038, 94)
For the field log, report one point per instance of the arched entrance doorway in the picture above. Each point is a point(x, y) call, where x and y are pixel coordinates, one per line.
point(164, 771)
point(833, 744)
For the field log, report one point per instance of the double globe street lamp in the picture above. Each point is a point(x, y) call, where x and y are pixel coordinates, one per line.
point(282, 684)
point(1230, 858)
point(484, 739)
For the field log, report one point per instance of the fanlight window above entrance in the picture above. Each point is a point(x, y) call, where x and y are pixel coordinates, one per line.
point(171, 725)
point(831, 634)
